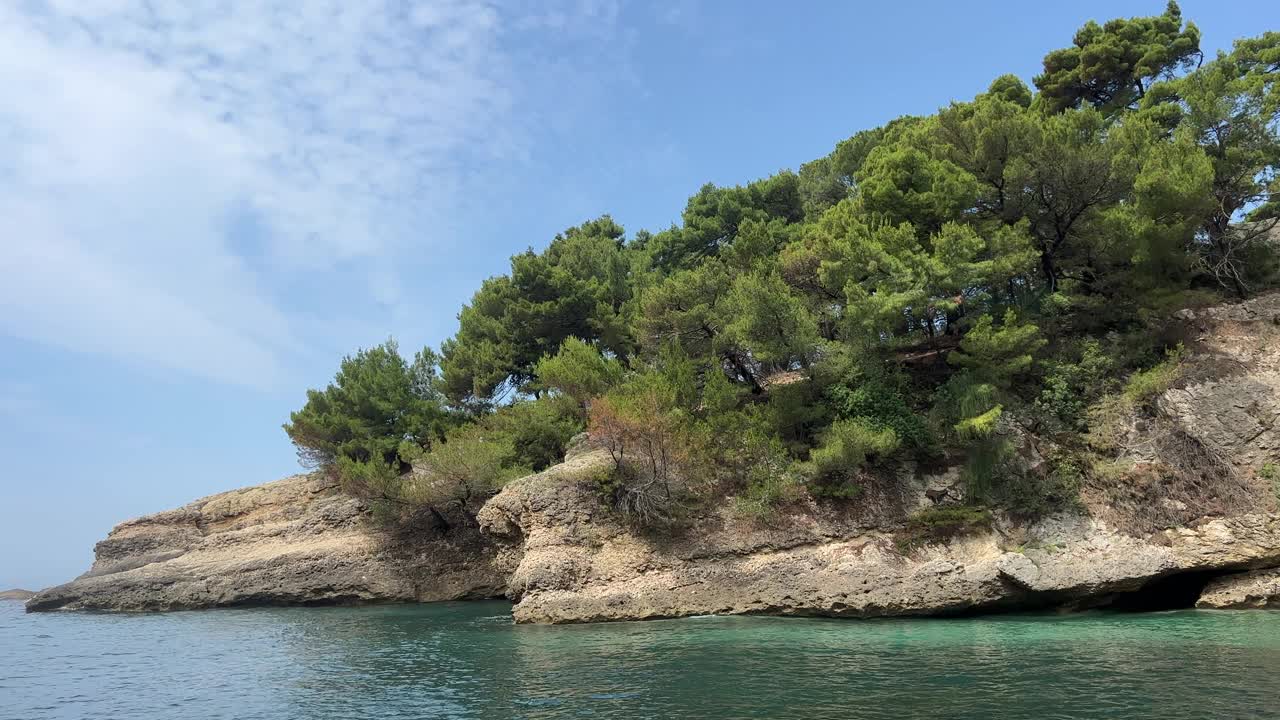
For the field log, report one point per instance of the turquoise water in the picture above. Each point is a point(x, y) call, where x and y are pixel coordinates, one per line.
point(467, 660)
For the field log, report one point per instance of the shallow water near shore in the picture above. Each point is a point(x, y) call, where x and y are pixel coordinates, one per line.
point(466, 660)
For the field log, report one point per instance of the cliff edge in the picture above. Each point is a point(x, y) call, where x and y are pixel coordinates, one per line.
point(296, 541)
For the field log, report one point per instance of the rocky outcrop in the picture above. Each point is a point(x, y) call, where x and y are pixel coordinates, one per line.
point(1257, 589)
point(574, 563)
point(16, 594)
point(1191, 502)
point(297, 541)
point(1233, 405)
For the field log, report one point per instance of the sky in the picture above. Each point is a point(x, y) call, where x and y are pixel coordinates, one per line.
point(205, 204)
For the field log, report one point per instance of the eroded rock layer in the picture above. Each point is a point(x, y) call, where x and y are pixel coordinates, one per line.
point(297, 541)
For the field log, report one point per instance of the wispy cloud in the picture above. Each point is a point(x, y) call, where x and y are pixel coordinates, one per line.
point(168, 162)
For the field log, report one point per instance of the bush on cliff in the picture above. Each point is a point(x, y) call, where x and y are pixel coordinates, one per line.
point(471, 465)
point(649, 437)
point(940, 524)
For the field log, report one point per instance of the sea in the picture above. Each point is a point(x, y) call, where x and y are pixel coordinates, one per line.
point(468, 660)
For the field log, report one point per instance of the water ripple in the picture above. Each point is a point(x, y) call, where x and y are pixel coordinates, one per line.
point(468, 661)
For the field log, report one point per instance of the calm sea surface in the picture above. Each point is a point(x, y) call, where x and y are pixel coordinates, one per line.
point(467, 660)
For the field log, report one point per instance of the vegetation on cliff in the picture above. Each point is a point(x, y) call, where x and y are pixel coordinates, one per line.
point(931, 289)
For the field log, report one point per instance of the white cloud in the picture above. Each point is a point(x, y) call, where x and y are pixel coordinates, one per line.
point(167, 162)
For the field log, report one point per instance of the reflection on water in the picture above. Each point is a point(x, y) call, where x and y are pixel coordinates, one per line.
point(469, 661)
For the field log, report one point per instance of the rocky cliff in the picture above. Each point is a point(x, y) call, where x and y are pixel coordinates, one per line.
point(297, 541)
point(1188, 517)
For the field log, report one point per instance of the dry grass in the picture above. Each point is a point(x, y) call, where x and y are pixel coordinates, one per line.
point(1186, 481)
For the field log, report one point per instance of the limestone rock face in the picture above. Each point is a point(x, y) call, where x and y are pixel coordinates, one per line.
point(572, 562)
point(1256, 589)
point(296, 541)
point(1235, 407)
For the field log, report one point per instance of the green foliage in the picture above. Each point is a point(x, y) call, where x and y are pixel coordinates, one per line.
point(998, 355)
point(980, 426)
point(713, 216)
point(472, 464)
point(1111, 66)
point(1230, 111)
point(742, 446)
point(1146, 385)
point(765, 493)
point(689, 309)
point(878, 399)
point(376, 401)
point(538, 430)
point(1110, 420)
point(796, 414)
point(719, 396)
point(577, 288)
point(906, 180)
point(991, 360)
point(1271, 473)
point(1031, 494)
point(1071, 384)
point(941, 285)
point(940, 524)
point(1010, 88)
point(579, 371)
point(844, 450)
point(646, 428)
point(380, 483)
point(771, 322)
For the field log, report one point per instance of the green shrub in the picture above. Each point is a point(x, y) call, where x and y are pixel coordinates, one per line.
point(1271, 473)
point(651, 440)
point(1145, 385)
point(795, 414)
point(380, 483)
point(845, 448)
point(1071, 384)
point(472, 464)
point(942, 523)
point(879, 404)
point(579, 371)
point(766, 491)
point(998, 355)
point(1109, 421)
point(539, 430)
point(980, 426)
point(1027, 494)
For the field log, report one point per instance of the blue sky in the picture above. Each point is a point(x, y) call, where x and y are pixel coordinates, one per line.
point(206, 207)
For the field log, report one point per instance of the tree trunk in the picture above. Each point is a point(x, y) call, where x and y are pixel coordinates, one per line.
point(1050, 272)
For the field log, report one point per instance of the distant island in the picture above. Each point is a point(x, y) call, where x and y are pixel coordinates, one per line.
point(17, 594)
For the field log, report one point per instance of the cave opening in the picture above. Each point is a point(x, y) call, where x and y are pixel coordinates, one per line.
point(1179, 591)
